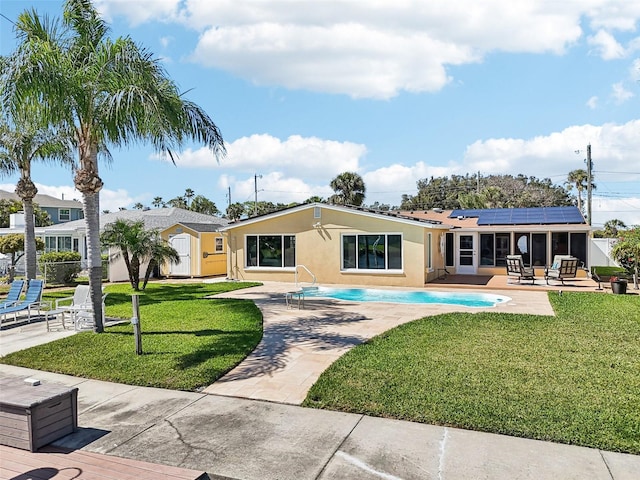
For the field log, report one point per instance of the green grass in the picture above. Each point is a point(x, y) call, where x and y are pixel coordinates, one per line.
point(573, 378)
point(188, 341)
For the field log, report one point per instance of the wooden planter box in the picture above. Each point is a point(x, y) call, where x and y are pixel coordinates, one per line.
point(34, 416)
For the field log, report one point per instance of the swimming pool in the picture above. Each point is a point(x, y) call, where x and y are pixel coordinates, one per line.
point(465, 299)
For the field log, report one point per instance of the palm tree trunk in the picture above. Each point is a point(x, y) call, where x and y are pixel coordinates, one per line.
point(29, 239)
point(91, 207)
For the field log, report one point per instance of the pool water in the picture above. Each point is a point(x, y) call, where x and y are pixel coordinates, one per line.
point(465, 299)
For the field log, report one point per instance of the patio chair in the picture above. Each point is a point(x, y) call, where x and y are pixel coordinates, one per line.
point(32, 300)
point(516, 268)
point(563, 267)
point(84, 318)
point(69, 306)
point(13, 296)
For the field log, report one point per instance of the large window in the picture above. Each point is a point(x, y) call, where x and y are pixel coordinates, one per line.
point(57, 244)
point(372, 252)
point(275, 251)
point(494, 248)
point(450, 250)
point(64, 214)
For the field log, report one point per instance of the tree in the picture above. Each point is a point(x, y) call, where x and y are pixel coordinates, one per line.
point(578, 179)
point(235, 211)
point(7, 207)
point(157, 202)
point(160, 252)
point(626, 251)
point(13, 245)
point(132, 243)
point(177, 202)
point(492, 191)
point(349, 189)
point(23, 140)
point(188, 195)
point(104, 92)
point(612, 227)
point(138, 206)
point(202, 204)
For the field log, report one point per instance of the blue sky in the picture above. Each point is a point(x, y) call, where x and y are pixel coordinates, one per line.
point(396, 91)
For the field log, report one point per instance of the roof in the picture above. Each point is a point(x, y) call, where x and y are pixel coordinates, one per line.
point(159, 218)
point(43, 200)
point(202, 227)
point(394, 216)
point(471, 218)
point(523, 216)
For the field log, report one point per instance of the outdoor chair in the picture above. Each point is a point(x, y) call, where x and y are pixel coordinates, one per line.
point(563, 267)
point(70, 306)
point(516, 268)
point(83, 318)
point(32, 300)
point(13, 296)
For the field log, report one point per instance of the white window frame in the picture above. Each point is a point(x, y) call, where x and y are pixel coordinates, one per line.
point(219, 245)
point(67, 215)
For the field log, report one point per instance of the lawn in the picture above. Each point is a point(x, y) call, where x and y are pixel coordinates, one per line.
point(188, 341)
point(573, 378)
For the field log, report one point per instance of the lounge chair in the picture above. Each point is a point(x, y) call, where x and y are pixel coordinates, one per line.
point(13, 296)
point(563, 267)
point(32, 300)
point(516, 268)
point(70, 306)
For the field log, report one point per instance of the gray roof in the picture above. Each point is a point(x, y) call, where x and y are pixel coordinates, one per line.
point(43, 200)
point(159, 218)
point(203, 227)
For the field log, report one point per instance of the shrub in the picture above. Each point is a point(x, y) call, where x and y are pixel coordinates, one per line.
point(60, 267)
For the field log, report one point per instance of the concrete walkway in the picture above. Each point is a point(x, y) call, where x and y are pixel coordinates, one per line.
point(298, 345)
point(233, 438)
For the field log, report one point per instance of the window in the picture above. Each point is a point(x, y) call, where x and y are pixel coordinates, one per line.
point(372, 252)
point(578, 243)
point(275, 251)
point(450, 250)
point(494, 248)
point(57, 244)
point(538, 249)
point(64, 214)
point(219, 248)
point(429, 252)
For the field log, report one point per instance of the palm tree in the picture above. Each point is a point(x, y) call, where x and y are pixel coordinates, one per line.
point(188, 195)
point(349, 188)
point(138, 206)
point(21, 143)
point(612, 227)
point(132, 243)
point(157, 202)
point(160, 252)
point(105, 92)
point(578, 179)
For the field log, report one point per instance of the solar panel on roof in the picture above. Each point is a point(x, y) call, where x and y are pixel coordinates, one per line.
point(522, 216)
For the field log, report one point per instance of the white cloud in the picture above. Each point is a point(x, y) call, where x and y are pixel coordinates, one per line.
point(138, 11)
point(626, 209)
point(592, 103)
point(606, 46)
point(306, 157)
point(634, 70)
point(620, 93)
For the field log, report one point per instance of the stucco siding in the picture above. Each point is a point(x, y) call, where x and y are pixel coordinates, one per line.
point(319, 248)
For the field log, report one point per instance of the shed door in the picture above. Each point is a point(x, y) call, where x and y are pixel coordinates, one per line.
point(182, 243)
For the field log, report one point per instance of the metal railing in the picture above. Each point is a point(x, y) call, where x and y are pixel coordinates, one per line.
point(297, 279)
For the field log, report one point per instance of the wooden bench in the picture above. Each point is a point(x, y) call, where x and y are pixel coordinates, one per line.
point(32, 416)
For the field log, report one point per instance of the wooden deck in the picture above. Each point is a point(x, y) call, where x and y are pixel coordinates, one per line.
point(55, 463)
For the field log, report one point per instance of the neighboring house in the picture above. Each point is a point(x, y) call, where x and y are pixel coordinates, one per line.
point(195, 236)
point(349, 245)
point(59, 211)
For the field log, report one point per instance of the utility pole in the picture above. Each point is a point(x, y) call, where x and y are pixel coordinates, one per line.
point(589, 182)
point(255, 189)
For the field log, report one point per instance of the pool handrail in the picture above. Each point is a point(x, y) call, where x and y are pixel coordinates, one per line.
point(298, 284)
